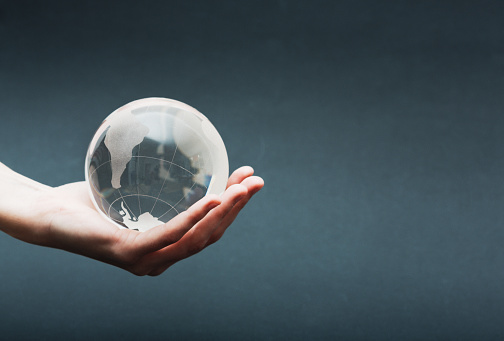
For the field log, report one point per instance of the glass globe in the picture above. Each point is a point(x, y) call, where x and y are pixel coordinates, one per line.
point(152, 159)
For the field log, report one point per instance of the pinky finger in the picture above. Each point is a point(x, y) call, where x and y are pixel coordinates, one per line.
point(253, 184)
point(239, 175)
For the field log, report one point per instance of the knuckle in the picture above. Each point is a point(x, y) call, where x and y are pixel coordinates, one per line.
point(193, 216)
point(189, 217)
point(185, 214)
point(169, 238)
point(214, 239)
point(196, 247)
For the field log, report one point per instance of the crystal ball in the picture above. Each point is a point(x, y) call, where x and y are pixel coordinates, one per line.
point(152, 159)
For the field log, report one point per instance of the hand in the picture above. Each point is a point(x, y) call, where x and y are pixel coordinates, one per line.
point(65, 218)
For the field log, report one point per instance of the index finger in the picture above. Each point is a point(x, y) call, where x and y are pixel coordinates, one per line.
point(170, 232)
point(196, 239)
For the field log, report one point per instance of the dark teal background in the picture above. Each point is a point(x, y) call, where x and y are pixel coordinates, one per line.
point(377, 126)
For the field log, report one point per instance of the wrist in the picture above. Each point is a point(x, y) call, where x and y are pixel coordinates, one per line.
point(21, 206)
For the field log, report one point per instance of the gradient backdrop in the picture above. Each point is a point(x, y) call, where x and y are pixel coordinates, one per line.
point(377, 126)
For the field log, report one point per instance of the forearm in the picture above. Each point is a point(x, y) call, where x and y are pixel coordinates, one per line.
point(20, 217)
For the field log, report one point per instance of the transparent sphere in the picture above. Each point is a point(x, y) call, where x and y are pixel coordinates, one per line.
point(151, 159)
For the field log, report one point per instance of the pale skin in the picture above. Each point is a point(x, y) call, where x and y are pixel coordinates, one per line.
point(65, 218)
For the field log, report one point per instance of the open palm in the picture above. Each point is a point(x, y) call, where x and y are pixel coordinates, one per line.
point(70, 222)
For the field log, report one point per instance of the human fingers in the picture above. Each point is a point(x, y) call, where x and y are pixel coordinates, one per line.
point(254, 185)
point(196, 238)
point(170, 232)
point(239, 175)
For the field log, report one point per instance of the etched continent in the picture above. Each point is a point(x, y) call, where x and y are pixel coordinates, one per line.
point(124, 134)
point(144, 222)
